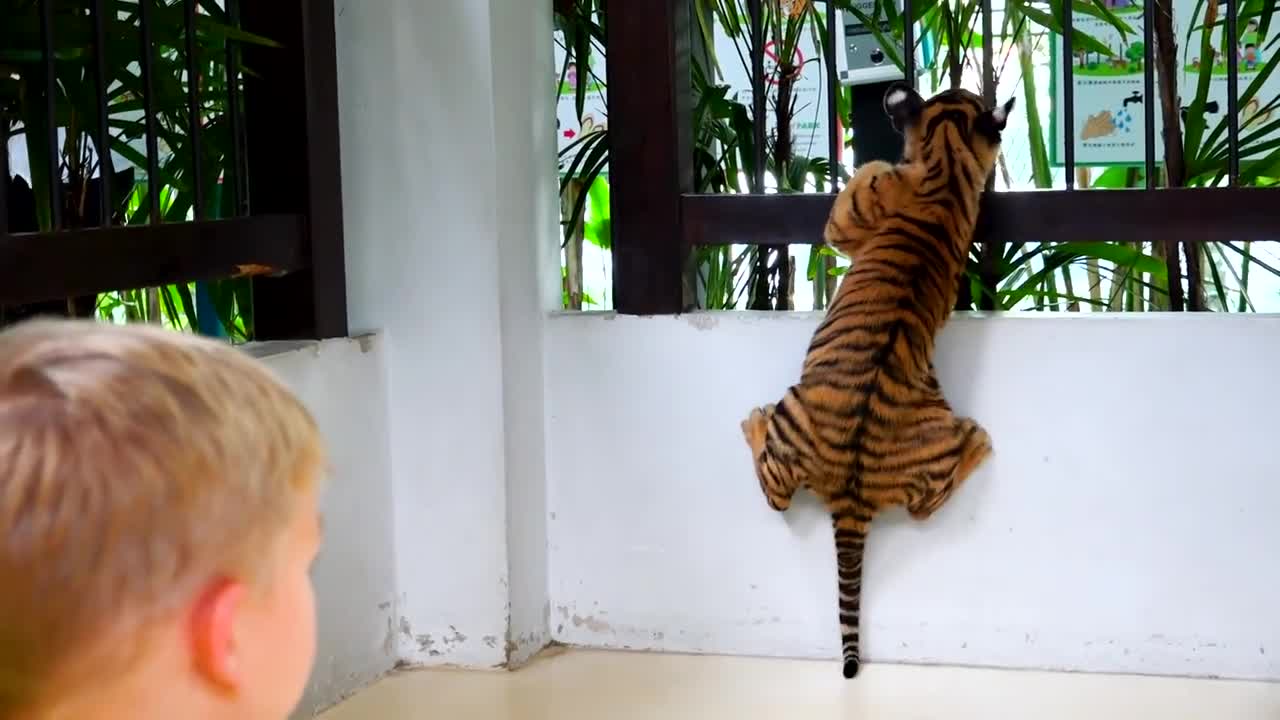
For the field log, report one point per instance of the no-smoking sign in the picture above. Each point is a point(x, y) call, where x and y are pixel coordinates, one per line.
point(771, 62)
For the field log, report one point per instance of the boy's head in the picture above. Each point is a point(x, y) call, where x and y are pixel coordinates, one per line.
point(157, 523)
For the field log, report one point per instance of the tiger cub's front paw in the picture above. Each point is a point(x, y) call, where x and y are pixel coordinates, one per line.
point(755, 430)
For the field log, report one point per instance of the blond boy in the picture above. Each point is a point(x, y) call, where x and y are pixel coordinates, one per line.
point(157, 523)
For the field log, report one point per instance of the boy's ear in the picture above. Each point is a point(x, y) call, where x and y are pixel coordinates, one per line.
point(902, 104)
point(213, 641)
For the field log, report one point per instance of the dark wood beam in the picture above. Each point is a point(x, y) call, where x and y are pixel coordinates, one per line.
point(650, 152)
point(1179, 215)
point(70, 263)
point(294, 162)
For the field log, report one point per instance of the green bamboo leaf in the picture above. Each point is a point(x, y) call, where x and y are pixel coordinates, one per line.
point(1193, 130)
point(594, 163)
point(1054, 296)
point(1097, 9)
point(582, 56)
point(1250, 92)
point(1113, 178)
point(1265, 167)
point(169, 308)
point(1122, 255)
point(1079, 40)
point(1041, 172)
point(598, 229)
point(243, 324)
point(220, 31)
point(1244, 277)
point(1251, 258)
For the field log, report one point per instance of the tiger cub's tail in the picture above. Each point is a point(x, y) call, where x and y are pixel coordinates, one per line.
point(851, 524)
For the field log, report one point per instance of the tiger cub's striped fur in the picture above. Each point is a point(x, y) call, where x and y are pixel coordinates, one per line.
point(867, 427)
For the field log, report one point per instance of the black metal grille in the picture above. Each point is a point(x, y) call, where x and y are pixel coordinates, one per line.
point(153, 59)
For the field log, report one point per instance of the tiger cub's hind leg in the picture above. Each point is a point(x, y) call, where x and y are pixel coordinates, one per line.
point(971, 445)
point(777, 476)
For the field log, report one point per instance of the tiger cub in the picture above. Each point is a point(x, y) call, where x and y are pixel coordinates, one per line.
point(867, 427)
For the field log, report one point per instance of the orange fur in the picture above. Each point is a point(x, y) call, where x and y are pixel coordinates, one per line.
point(867, 427)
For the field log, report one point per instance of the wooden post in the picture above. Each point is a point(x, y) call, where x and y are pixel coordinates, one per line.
point(651, 152)
point(294, 164)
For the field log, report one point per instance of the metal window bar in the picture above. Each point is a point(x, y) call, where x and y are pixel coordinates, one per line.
point(759, 96)
point(146, 63)
point(193, 111)
point(908, 41)
point(990, 251)
point(236, 175)
point(1233, 112)
point(1068, 96)
point(105, 164)
point(756, 10)
point(835, 137)
point(4, 180)
point(51, 129)
point(988, 62)
point(988, 67)
point(1148, 92)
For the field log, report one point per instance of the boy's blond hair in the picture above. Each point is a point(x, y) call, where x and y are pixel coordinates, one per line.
point(136, 465)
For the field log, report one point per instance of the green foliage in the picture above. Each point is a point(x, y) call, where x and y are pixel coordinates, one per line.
point(22, 103)
point(1120, 275)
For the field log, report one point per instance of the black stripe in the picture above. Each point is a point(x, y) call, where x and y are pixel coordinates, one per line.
point(854, 213)
point(953, 118)
point(944, 452)
point(932, 230)
point(924, 245)
point(785, 424)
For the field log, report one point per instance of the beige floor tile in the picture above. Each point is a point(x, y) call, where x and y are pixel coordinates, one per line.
point(589, 685)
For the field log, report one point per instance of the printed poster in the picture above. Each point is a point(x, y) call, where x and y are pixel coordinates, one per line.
point(1109, 99)
point(809, 126)
point(595, 113)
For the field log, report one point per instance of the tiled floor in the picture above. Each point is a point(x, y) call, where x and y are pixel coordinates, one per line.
point(589, 685)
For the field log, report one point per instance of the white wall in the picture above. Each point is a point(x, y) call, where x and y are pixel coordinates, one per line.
point(448, 155)
point(342, 384)
point(1125, 523)
point(591, 466)
point(529, 261)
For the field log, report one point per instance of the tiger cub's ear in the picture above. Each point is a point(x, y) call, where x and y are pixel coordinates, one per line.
point(902, 104)
point(992, 122)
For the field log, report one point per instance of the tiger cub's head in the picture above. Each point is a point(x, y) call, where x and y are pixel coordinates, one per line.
point(952, 123)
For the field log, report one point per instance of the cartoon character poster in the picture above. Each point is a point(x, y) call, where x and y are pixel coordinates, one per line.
point(1109, 97)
